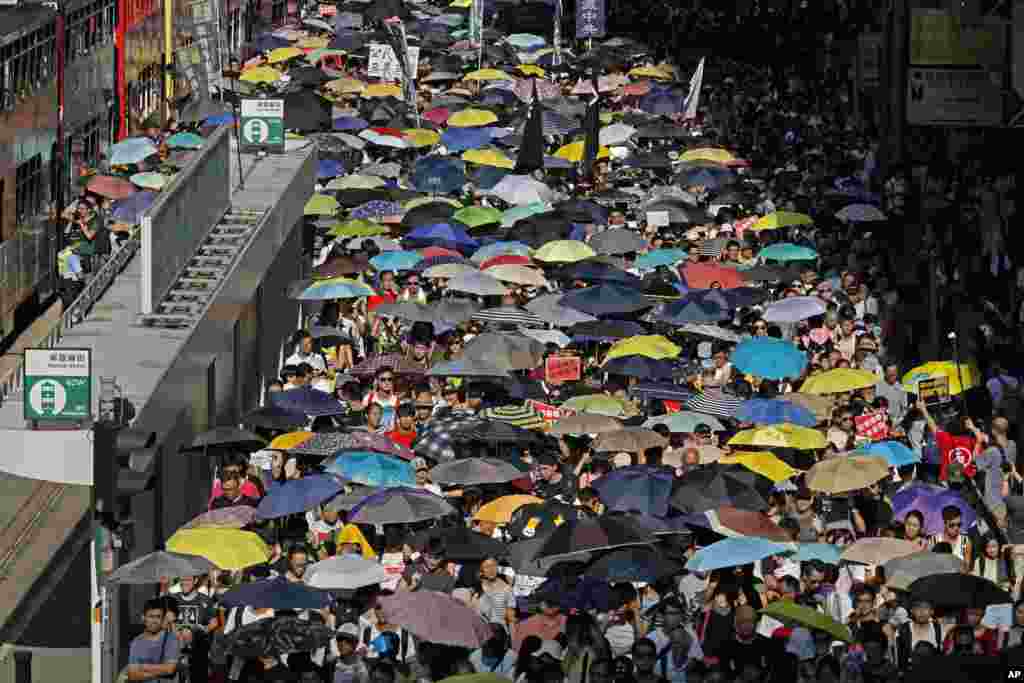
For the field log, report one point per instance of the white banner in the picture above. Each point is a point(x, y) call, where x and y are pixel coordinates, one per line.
point(953, 97)
point(693, 97)
point(384, 64)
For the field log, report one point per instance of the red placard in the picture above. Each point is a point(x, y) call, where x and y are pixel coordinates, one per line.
point(872, 426)
point(549, 412)
point(328, 10)
point(558, 369)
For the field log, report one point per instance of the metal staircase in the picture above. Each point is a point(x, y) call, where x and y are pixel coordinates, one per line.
point(199, 281)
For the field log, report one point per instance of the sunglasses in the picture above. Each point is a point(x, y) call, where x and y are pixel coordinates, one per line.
point(387, 379)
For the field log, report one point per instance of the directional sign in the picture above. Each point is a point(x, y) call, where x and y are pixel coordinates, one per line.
point(58, 384)
point(590, 19)
point(261, 125)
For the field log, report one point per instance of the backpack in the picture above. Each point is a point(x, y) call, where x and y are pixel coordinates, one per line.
point(220, 645)
point(403, 648)
point(903, 640)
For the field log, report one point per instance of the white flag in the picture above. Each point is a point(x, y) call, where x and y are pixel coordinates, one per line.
point(693, 97)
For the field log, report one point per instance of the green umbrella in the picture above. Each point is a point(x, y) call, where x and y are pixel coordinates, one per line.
point(509, 218)
point(475, 216)
point(185, 141)
point(149, 180)
point(359, 227)
point(321, 205)
point(785, 251)
point(788, 611)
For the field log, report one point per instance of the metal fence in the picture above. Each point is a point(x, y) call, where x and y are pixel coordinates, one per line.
point(180, 219)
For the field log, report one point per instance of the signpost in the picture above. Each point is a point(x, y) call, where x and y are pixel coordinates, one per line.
point(58, 385)
point(590, 19)
point(261, 125)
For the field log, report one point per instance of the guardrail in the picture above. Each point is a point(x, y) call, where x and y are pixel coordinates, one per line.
point(11, 382)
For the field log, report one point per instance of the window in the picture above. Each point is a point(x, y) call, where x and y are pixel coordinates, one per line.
point(29, 183)
point(90, 27)
point(28, 62)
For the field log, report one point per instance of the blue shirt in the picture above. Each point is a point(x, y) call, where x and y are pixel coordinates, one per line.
point(146, 651)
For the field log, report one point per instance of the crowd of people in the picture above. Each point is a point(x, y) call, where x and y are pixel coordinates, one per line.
point(630, 391)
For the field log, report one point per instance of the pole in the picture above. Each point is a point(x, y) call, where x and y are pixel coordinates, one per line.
point(557, 61)
point(120, 81)
point(168, 58)
point(896, 84)
point(60, 159)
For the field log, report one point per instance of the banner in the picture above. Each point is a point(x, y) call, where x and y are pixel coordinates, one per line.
point(933, 390)
point(559, 369)
point(384, 64)
point(591, 19)
point(869, 60)
point(939, 38)
point(550, 413)
point(693, 97)
point(954, 97)
point(871, 426)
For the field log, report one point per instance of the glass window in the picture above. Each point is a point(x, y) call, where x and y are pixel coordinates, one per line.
point(29, 188)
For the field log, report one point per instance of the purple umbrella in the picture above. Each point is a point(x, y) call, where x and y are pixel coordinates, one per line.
point(130, 209)
point(929, 501)
point(375, 209)
point(641, 487)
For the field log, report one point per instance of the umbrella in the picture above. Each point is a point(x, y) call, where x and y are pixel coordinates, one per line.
point(111, 187)
point(372, 469)
point(131, 208)
point(519, 275)
point(515, 351)
point(686, 422)
point(633, 564)
point(149, 180)
point(460, 543)
point(475, 471)
point(735, 552)
point(774, 411)
point(157, 566)
point(308, 401)
point(439, 175)
point(278, 593)
point(592, 534)
point(538, 520)
point(860, 213)
point(480, 284)
point(605, 299)
point(709, 488)
point(958, 378)
point(958, 590)
point(902, 571)
point(878, 550)
point(688, 310)
point(712, 331)
point(508, 315)
point(629, 440)
point(229, 549)
point(895, 453)
point(929, 500)
point(640, 366)
point(274, 418)
point(819, 406)
point(131, 151)
point(706, 276)
point(641, 488)
point(585, 423)
point(781, 435)
point(659, 257)
point(733, 522)
point(395, 260)
point(574, 593)
point(442, 234)
point(769, 358)
point(324, 444)
point(617, 241)
point(522, 416)
point(838, 381)
point(823, 552)
point(334, 288)
point(714, 402)
point(786, 251)
point(354, 494)
point(763, 463)
point(781, 219)
point(788, 611)
point(225, 437)
point(437, 618)
point(610, 331)
point(297, 495)
point(600, 404)
point(234, 517)
point(846, 473)
point(592, 270)
point(500, 510)
point(548, 309)
point(563, 251)
point(345, 572)
point(400, 505)
point(794, 309)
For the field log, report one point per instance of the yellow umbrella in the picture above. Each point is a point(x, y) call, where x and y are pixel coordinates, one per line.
point(313, 43)
point(464, 4)
point(650, 345)
point(574, 151)
point(488, 157)
point(781, 219)
point(260, 74)
point(382, 90)
point(600, 404)
point(764, 463)
point(846, 473)
point(968, 375)
point(531, 70)
point(469, 118)
point(286, 442)
point(356, 181)
point(487, 75)
point(283, 54)
point(650, 72)
point(781, 435)
point(230, 549)
point(838, 381)
point(564, 251)
point(360, 227)
point(346, 86)
point(715, 154)
point(421, 137)
point(500, 511)
point(420, 201)
point(321, 205)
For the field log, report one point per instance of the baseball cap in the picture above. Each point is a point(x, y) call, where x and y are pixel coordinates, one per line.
point(419, 464)
point(550, 648)
point(348, 630)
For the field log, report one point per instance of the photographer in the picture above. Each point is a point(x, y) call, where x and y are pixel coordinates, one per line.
point(197, 619)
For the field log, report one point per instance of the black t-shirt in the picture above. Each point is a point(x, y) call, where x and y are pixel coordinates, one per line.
point(564, 488)
point(876, 512)
point(221, 502)
point(196, 610)
point(764, 652)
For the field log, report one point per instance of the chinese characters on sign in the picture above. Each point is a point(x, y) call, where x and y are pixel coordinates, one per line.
point(383, 63)
point(590, 19)
point(559, 369)
point(262, 125)
point(58, 384)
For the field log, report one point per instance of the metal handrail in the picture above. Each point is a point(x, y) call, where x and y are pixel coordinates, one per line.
point(11, 383)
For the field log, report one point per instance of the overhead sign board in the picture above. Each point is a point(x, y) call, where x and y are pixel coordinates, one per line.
point(58, 385)
point(261, 125)
point(591, 19)
point(384, 64)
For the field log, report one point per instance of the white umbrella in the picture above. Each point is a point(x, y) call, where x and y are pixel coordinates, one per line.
point(345, 572)
point(521, 189)
point(477, 283)
point(794, 309)
point(615, 134)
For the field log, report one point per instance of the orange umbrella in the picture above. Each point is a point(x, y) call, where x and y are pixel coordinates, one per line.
point(704, 275)
point(111, 187)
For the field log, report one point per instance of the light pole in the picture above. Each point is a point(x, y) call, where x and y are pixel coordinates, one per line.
point(232, 73)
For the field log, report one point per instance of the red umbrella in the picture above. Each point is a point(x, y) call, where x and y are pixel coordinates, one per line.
point(341, 265)
point(111, 187)
point(507, 260)
point(436, 618)
point(438, 116)
point(637, 89)
point(432, 252)
point(704, 275)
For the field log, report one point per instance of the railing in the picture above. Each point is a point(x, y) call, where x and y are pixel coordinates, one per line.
point(11, 382)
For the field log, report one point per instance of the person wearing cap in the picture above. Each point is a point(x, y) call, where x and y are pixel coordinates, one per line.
point(920, 628)
point(404, 432)
point(748, 646)
point(348, 667)
point(554, 481)
point(423, 477)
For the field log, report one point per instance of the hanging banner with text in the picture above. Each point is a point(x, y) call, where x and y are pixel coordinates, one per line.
point(383, 63)
point(559, 369)
point(954, 97)
point(591, 19)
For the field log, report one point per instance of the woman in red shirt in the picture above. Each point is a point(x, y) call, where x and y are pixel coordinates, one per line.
point(986, 641)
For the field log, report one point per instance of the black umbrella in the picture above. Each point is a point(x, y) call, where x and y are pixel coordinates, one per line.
point(591, 535)
point(460, 544)
point(428, 214)
point(224, 438)
point(606, 299)
point(582, 211)
point(535, 520)
point(633, 564)
point(591, 270)
point(277, 636)
point(711, 487)
point(605, 330)
point(958, 591)
point(305, 110)
point(272, 417)
point(539, 229)
point(531, 152)
point(475, 472)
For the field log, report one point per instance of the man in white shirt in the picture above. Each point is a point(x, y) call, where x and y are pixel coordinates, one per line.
point(303, 341)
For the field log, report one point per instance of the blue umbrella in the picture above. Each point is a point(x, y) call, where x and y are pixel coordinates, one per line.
point(130, 209)
point(664, 103)
point(605, 299)
point(372, 469)
point(501, 248)
point(895, 452)
point(376, 209)
point(605, 330)
point(276, 593)
point(825, 552)
point(735, 552)
point(462, 139)
point(929, 501)
point(298, 495)
point(488, 176)
point(442, 234)
point(769, 358)
point(268, 41)
point(131, 151)
point(690, 310)
point(599, 271)
point(785, 251)
point(350, 123)
point(395, 260)
point(763, 411)
point(659, 257)
point(439, 175)
point(308, 401)
point(219, 119)
point(639, 366)
point(641, 488)
point(329, 168)
point(577, 593)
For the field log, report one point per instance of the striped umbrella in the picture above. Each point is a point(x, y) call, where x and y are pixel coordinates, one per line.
point(522, 416)
point(714, 402)
point(509, 315)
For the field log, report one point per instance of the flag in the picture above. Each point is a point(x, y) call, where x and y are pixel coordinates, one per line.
point(693, 97)
point(531, 153)
point(956, 450)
